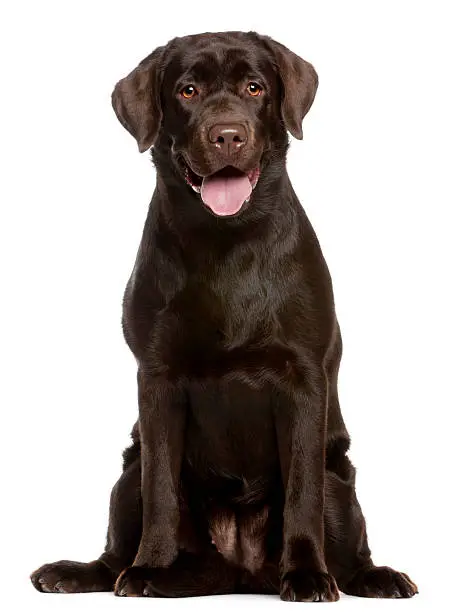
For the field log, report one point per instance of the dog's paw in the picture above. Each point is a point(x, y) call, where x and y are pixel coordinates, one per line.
point(304, 585)
point(381, 582)
point(134, 582)
point(72, 577)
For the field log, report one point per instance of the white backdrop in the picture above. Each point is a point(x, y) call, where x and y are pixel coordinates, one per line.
point(381, 175)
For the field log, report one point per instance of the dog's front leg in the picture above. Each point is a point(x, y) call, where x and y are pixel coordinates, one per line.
point(301, 431)
point(162, 409)
point(161, 421)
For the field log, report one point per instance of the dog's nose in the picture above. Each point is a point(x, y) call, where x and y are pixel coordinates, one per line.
point(228, 138)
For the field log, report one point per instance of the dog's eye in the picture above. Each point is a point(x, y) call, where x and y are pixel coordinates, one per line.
point(254, 89)
point(189, 92)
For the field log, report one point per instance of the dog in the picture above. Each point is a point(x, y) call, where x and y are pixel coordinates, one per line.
point(238, 479)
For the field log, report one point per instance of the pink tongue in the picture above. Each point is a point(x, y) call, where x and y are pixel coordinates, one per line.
point(225, 194)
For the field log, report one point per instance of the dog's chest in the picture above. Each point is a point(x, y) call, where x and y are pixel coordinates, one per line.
point(213, 329)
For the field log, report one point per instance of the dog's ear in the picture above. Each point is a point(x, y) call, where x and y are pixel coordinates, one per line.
point(300, 82)
point(136, 100)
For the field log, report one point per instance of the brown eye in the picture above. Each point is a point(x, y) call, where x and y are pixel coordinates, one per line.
point(189, 92)
point(254, 89)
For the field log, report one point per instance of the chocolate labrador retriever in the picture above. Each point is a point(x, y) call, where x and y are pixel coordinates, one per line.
point(238, 479)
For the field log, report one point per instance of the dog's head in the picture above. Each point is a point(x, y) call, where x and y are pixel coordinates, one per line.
point(218, 105)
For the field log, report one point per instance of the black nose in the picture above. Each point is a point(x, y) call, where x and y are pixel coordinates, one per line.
point(228, 138)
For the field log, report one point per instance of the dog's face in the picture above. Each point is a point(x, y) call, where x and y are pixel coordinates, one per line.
point(218, 104)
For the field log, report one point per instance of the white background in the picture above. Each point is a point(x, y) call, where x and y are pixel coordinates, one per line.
point(381, 175)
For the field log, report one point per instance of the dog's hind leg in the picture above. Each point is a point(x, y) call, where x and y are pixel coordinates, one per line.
point(346, 546)
point(347, 554)
point(122, 541)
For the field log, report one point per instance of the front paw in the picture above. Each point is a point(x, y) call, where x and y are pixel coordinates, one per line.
point(305, 585)
point(132, 582)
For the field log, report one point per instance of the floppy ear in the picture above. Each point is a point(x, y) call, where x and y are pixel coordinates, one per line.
point(300, 82)
point(136, 100)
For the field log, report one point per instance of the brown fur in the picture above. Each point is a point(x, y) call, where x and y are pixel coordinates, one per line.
point(238, 479)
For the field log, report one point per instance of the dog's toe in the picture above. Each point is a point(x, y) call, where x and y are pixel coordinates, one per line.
point(308, 586)
point(132, 582)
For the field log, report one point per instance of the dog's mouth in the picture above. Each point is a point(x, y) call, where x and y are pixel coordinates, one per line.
point(226, 191)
